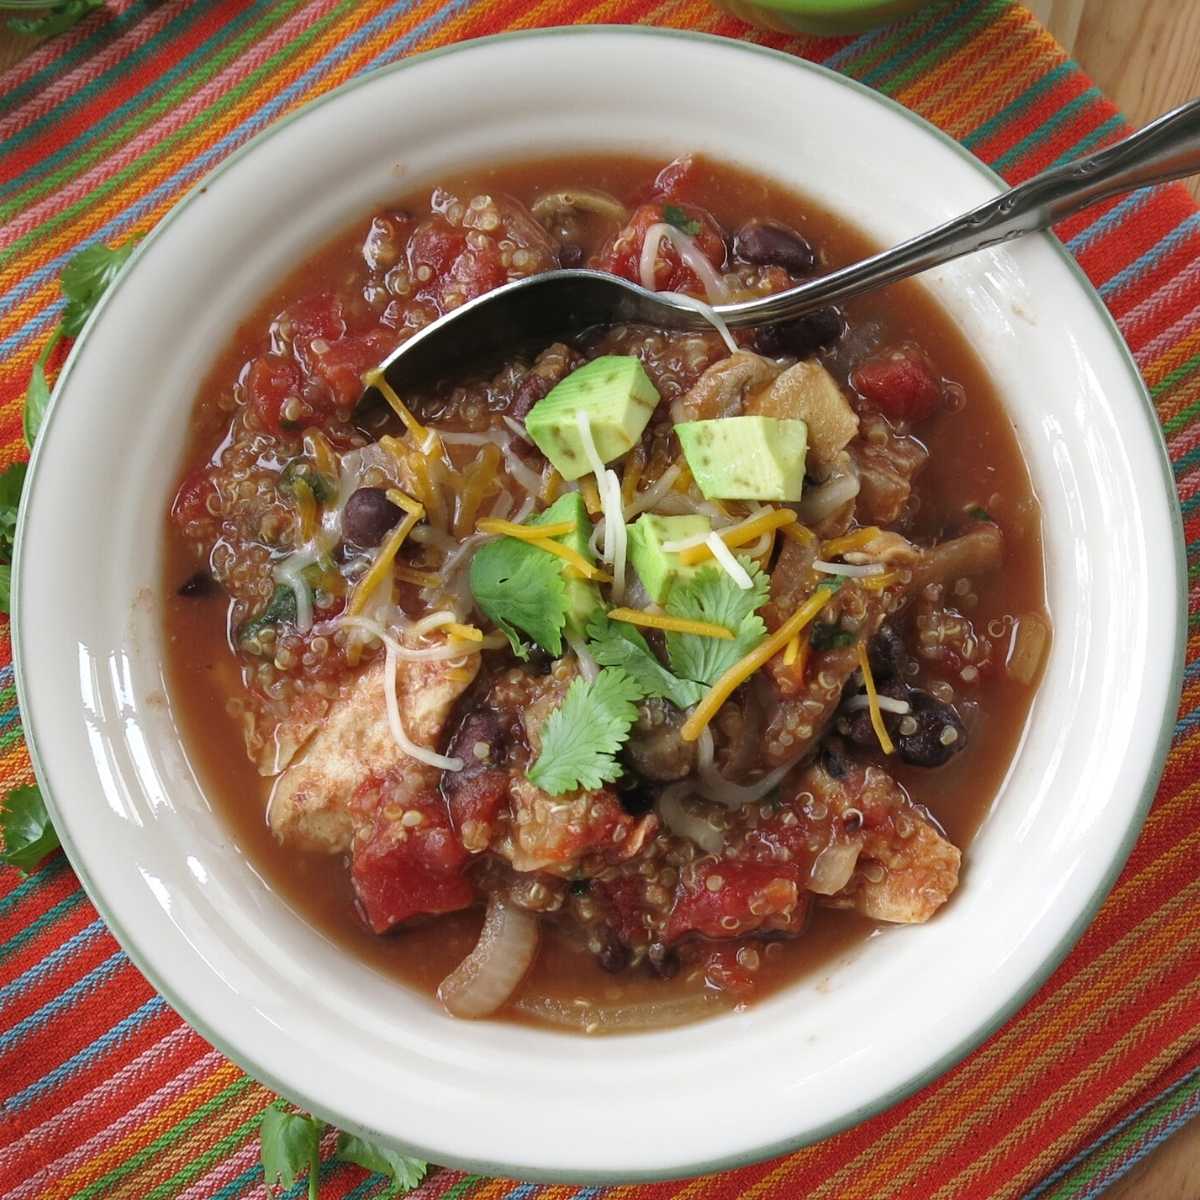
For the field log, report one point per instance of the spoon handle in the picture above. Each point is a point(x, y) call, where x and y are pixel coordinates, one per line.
point(1168, 148)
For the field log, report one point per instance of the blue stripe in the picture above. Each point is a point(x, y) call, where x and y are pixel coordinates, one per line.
point(1047, 127)
point(859, 46)
point(32, 884)
point(956, 15)
point(1113, 125)
point(235, 1187)
point(994, 124)
point(200, 165)
point(51, 962)
point(44, 921)
point(1115, 215)
point(80, 988)
point(136, 103)
point(1185, 1114)
point(8, 716)
point(110, 1038)
point(6, 674)
point(1156, 252)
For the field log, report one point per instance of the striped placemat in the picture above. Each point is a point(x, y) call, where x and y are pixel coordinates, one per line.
point(107, 1094)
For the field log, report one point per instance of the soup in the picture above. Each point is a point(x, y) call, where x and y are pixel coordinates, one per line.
point(631, 677)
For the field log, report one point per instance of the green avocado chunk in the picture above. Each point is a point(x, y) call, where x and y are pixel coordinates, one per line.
point(746, 458)
point(659, 569)
point(583, 596)
point(618, 397)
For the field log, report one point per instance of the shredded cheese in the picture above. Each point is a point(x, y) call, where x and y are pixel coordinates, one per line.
point(317, 447)
point(400, 500)
point(425, 579)
point(591, 495)
point(745, 667)
point(799, 533)
point(709, 313)
point(524, 533)
point(468, 633)
point(382, 565)
point(848, 570)
point(306, 507)
point(568, 555)
point(653, 620)
point(877, 724)
point(739, 535)
point(411, 748)
point(690, 255)
point(426, 438)
point(552, 483)
point(727, 562)
point(850, 541)
point(876, 583)
point(792, 651)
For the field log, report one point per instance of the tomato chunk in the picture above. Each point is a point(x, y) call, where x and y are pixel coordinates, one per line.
point(410, 863)
point(341, 364)
point(191, 501)
point(316, 316)
point(901, 383)
point(270, 383)
point(726, 899)
point(623, 254)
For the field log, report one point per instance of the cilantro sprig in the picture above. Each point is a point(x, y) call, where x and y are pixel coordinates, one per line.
point(28, 834)
point(711, 595)
point(290, 1149)
point(674, 215)
point(581, 737)
point(83, 281)
point(618, 644)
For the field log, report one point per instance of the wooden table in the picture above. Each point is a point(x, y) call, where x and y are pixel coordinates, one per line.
point(1145, 54)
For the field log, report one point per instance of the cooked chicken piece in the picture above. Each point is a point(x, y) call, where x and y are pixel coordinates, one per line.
point(905, 869)
point(807, 392)
point(722, 391)
point(310, 806)
point(887, 464)
point(977, 552)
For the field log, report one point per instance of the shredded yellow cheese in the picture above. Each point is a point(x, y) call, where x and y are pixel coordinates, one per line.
point(306, 507)
point(400, 500)
point(568, 555)
point(425, 579)
point(741, 535)
point(381, 566)
point(551, 487)
point(631, 474)
point(792, 651)
point(525, 533)
point(877, 724)
point(850, 541)
point(317, 447)
point(799, 533)
point(591, 495)
point(684, 479)
point(423, 435)
point(745, 667)
point(876, 583)
point(467, 633)
point(634, 616)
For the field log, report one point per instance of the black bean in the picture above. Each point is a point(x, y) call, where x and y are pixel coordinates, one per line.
point(198, 586)
point(887, 654)
point(939, 736)
point(663, 962)
point(570, 254)
point(613, 956)
point(368, 516)
point(859, 729)
point(529, 391)
point(773, 244)
point(834, 760)
point(802, 337)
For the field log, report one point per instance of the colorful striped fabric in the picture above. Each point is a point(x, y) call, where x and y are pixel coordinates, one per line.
point(107, 1094)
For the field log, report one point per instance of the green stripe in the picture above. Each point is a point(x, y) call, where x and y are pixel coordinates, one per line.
point(1061, 116)
point(1080, 1181)
point(100, 1186)
point(193, 81)
point(229, 1143)
point(10, 738)
point(200, 121)
point(64, 906)
point(32, 883)
point(7, 694)
point(1016, 107)
point(945, 49)
point(461, 1187)
point(877, 55)
point(1167, 382)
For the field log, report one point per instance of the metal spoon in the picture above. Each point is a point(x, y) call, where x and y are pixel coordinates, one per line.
point(550, 306)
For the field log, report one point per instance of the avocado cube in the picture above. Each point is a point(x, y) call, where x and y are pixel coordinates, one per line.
point(659, 569)
point(746, 458)
point(583, 596)
point(618, 397)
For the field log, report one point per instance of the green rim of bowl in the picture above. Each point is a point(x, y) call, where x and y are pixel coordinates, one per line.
point(817, 1133)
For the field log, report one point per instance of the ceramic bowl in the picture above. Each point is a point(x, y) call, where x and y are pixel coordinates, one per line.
point(359, 1049)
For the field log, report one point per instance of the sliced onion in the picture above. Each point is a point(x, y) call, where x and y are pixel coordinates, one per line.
point(690, 255)
point(519, 471)
point(625, 1018)
point(1028, 648)
point(685, 824)
point(833, 867)
point(489, 975)
point(517, 428)
point(714, 786)
point(589, 668)
point(825, 499)
point(849, 570)
point(653, 494)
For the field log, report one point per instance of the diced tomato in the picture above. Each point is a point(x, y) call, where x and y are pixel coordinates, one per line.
point(191, 501)
point(474, 272)
point(270, 381)
point(404, 870)
point(726, 899)
point(319, 315)
point(901, 383)
point(342, 364)
point(475, 803)
point(625, 903)
point(677, 179)
point(434, 244)
point(623, 254)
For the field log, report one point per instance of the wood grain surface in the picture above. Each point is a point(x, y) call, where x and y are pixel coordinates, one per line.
point(1144, 54)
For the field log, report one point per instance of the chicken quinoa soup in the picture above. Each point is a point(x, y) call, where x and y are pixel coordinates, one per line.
point(631, 677)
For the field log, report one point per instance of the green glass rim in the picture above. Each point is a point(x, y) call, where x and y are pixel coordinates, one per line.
point(948, 1058)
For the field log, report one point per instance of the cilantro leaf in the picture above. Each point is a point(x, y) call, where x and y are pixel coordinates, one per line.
point(28, 834)
point(619, 644)
point(521, 588)
point(711, 595)
point(12, 482)
point(37, 394)
point(979, 513)
point(674, 215)
point(281, 607)
point(290, 1145)
point(828, 635)
point(87, 277)
point(403, 1173)
point(58, 20)
point(582, 736)
point(5, 588)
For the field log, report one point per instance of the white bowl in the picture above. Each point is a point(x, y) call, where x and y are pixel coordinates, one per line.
point(361, 1050)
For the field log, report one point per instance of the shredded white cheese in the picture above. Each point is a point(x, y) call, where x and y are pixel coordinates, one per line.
point(529, 479)
point(690, 255)
point(727, 562)
point(615, 516)
point(899, 707)
point(709, 313)
point(420, 753)
point(849, 570)
point(290, 572)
